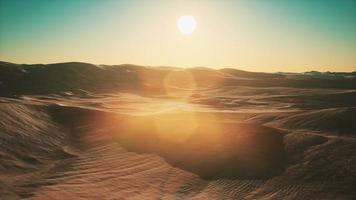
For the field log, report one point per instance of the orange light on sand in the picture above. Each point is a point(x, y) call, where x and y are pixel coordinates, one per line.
point(182, 126)
point(176, 128)
point(179, 83)
point(173, 120)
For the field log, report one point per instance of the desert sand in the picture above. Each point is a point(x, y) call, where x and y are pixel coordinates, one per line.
point(83, 131)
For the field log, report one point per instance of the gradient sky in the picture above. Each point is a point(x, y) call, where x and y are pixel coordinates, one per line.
point(255, 35)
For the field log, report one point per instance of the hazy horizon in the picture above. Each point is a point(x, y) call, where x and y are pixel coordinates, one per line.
point(288, 36)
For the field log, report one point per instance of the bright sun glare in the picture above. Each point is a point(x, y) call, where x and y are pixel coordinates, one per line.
point(186, 24)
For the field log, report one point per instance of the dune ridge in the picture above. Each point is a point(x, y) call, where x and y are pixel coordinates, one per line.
point(75, 76)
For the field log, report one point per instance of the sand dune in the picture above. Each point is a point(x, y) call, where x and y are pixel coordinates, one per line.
point(83, 131)
point(76, 76)
point(336, 120)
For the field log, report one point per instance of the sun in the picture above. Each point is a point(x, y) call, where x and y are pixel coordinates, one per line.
point(186, 24)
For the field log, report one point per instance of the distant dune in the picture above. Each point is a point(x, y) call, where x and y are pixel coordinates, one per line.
point(82, 131)
point(74, 76)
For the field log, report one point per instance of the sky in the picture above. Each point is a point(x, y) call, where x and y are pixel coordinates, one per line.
point(254, 35)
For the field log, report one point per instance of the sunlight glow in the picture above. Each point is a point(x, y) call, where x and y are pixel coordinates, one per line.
point(180, 84)
point(186, 24)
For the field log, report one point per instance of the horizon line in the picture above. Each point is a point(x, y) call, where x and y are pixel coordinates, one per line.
point(190, 67)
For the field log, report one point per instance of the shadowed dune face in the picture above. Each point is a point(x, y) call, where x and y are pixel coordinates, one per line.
point(198, 143)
